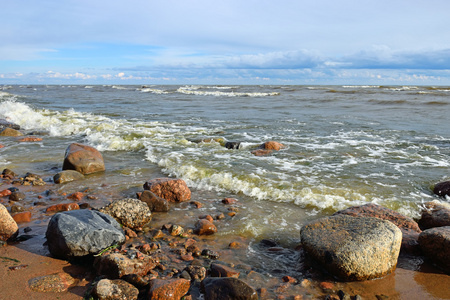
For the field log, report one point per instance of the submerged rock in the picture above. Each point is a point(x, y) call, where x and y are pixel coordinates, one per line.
point(353, 248)
point(173, 190)
point(272, 145)
point(84, 159)
point(82, 232)
point(132, 213)
point(8, 227)
point(67, 176)
point(442, 188)
point(10, 132)
point(155, 203)
point(435, 243)
point(226, 288)
point(7, 124)
point(205, 227)
point(232, 145)
point(435, 214)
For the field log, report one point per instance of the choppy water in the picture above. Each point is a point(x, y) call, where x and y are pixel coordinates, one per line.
point(346, 145)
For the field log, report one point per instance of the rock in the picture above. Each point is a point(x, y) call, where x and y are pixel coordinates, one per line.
point(261, 152)
point(232, 145)
point(410, 229)
point(353, 248)
point(168, 289)
point(84, 159)
point(435, 214)
point(272, 146)
point(196, 272)
point(442, 188)
point(5, 193)
point(22, 217)
point(17, 196)
point(30, 139)
point(62, 207)
point(155, 203)
point(82, 232)
point(10, 132)
point(6, 124)
point(132, 213)
point(218, 270)
point(7, 173)
point(77, 196)
point(67, 176)
point(8, 227)
point(32, 179)
point(54, 283)
point(116, 265)
point(173, 190)
point(435, 243)
point(107, 289)
point(229, 201)
point(228, 288)
point(204, 227)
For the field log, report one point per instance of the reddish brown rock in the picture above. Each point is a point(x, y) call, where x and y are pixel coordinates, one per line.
point(5, 193)
point(30, 139)
point(77, 196)
point(261, 152)
point(435, 243)
point(271, 145)
point(53, 283)
point(289, 279)
point(229, 201)
point(207, 217)
point(169, 289)
point(435, 214)
point(2, 146)
point(116, 265)
point(204, 227)
point(155, 203)
point(218, 270)
point(22, 217)
point(62, 207)
point(8, 227)
point(84, 159)
point(173, 190)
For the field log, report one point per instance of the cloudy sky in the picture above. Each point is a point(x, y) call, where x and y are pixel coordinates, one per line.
point(230, 41)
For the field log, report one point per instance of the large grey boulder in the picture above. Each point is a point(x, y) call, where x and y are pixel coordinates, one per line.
point(132, 213)
point(353, 248)
point(79, 233)
point(435, 244)
point(228, 288)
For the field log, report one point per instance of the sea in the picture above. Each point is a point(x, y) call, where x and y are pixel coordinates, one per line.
point(344, 145)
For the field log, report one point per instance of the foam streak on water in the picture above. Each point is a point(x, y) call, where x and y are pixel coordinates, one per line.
point(345, 145)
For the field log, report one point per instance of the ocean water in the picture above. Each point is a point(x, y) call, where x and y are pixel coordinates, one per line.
point(345, 145)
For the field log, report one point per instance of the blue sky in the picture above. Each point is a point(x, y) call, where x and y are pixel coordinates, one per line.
point(223, 42)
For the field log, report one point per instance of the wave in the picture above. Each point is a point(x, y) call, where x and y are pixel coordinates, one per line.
point(195, 90)
point(154, 91)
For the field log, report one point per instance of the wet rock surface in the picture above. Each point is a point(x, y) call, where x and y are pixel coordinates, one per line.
point(435, 214)
point(83, 158)
point(173, 190)
point(155, 203)
point(227, 288)
point(435, 243)
point(129, 212)
point(81, 232)
point(353, 248)
point(160, 289)
point(67, 176)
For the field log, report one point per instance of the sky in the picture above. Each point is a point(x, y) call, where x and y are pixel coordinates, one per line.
point(225, 42)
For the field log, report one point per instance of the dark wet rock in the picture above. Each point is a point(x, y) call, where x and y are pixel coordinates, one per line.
point(8, 227)
point(173, 190)
point(13, 189)
point(67, 176)
point(228, 288)
point(272, 145)
point(17, 208)
point(17, 196)
point(136, 280)
point(353, 248)
point(155, 203)
point(208, 253)
point(106, 289)
point(54, 283)
point(442, 188)
point(116, 265)
point(168, 289)
point(435, 243)
point(204, 227)
point(219, 270)
point(7, 173)
point(132, 213)
point(82, 232)
point(232, 145)
point(435, 214)
point(10, 132)
point(410, 229)
point(196, 272)
point(84, 159)
point(6, 124)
